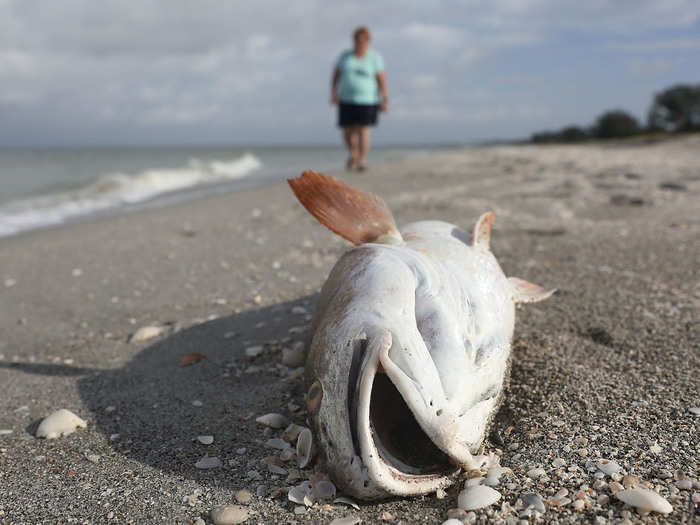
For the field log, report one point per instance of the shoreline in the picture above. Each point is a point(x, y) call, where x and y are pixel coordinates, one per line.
point(117, 189)
point(605, 369)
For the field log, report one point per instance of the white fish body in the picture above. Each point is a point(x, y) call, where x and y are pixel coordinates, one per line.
point(409, 349)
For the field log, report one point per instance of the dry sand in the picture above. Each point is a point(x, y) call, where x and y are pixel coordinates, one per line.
point(608, 368)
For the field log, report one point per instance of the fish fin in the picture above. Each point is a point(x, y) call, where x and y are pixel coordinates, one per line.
point(353, 214)
point(527, 292)
point(482, 229)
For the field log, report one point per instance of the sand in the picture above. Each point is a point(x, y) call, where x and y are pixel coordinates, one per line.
point(608, 368)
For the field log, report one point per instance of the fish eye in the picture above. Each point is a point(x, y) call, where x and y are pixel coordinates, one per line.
point(463, 236)
point(314, 396)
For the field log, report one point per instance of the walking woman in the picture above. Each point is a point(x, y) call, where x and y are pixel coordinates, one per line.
point(358, 87)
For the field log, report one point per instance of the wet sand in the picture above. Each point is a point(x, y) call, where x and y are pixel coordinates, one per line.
point(608, 368)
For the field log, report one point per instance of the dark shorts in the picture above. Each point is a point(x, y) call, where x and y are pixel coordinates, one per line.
point(357, 114)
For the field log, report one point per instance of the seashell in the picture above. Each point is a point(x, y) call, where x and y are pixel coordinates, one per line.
point(305, 448)
point(60, 423)
point(146, 332)
point(608, 467)
point(644, 500)
point(205, 440)
point(412, 331)
point(536, 473)
point(477, 497)
point(273, 420)
point(453, 521)
point(228, 514)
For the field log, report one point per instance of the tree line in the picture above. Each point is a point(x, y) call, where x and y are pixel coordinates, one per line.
point(673, 110)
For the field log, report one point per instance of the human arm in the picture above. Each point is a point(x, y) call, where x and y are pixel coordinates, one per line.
point(383, 92)
point(334, 85)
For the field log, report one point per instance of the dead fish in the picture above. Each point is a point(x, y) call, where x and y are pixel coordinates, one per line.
point(409, 348)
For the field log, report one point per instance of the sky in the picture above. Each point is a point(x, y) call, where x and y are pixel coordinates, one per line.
point(159, 72)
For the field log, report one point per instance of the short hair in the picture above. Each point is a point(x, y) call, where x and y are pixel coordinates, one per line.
point(361, 31)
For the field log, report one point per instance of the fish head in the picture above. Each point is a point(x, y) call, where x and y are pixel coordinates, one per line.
point(409, 351)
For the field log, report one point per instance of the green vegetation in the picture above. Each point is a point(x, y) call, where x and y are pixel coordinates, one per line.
point(673, 110)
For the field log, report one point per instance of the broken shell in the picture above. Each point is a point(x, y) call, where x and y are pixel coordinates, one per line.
point(205, 440)
point(208, 462)
point(494, 474)
point(347, 501)
point(477, 497)
point(253, 351)
point(275, 469)
point(299, 492)
point(291, 433)
point(473, 482)
point(608, 467)
point(532, 499)
point(60, 423)
point(272, 420)
point(305, 448)
point(323, 489)
point(630, 481)
point(644, 500)
point(287, 454)
point(277, 443)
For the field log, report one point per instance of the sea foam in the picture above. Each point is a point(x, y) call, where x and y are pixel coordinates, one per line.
point(114, 190)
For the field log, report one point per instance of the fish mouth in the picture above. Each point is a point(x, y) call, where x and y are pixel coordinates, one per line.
point(399, 456)
point(398, 437)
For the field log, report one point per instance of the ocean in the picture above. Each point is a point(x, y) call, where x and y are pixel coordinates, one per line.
point(44, 188)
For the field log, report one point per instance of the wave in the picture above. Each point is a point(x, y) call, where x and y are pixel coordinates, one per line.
point(115, 190)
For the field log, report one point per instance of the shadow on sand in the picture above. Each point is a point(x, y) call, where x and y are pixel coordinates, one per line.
point(151, 410)
point(154, 405)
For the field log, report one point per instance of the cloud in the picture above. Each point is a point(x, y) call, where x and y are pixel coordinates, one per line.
point(652, 66)
point(435, 38)
point(157, 70)
point(658, 45)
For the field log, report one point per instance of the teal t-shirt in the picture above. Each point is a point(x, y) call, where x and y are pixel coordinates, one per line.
point(358, 77)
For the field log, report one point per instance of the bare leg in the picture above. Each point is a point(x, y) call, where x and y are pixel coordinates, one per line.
point(363, 146)
point(352, 142)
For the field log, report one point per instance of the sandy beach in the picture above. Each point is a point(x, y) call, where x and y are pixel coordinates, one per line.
point(606, 369)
